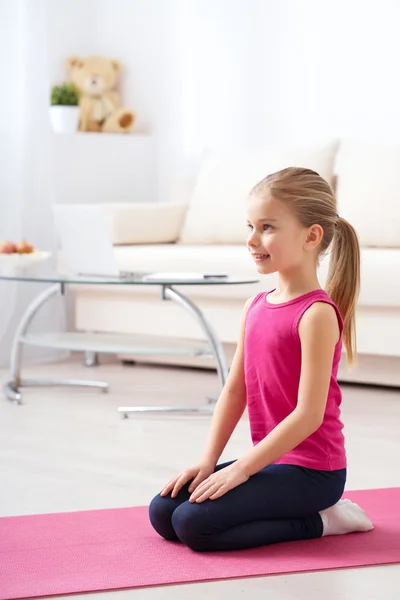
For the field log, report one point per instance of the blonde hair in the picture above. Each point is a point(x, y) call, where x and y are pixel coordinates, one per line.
point(312, 201)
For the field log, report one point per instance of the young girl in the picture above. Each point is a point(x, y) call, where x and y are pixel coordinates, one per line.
point(288, 486)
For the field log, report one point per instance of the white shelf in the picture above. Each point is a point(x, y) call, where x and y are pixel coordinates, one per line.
point(115, 344)
point(102, 167)
point(100, 137)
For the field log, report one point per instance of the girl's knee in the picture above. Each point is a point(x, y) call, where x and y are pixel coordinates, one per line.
point(190, 525)
point(160, 514)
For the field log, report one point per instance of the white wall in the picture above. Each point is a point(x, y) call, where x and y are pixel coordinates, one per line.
point(89, 168)
point(188, 73)
point(140, 33)
point(227, 73)
point(336, 69)
point(72, 29)
point(266, 71)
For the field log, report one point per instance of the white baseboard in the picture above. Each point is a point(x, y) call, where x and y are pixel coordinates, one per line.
point(369, 369)
point(372, 370)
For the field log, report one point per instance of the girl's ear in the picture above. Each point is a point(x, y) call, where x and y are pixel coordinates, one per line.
point(314, 237)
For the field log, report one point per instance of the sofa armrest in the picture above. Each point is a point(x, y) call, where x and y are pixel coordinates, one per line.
point(143, 223)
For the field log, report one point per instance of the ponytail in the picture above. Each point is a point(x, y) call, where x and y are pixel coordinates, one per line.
point(343, 283)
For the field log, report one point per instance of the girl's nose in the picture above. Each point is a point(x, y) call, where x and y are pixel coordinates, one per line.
point(252, 239)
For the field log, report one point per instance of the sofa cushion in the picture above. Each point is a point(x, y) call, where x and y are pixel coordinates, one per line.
point(143, 222)
point(380, 286)
point(368, 191)
point(217, 210)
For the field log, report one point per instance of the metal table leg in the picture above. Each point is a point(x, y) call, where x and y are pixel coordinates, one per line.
point(91, 359)
point(12, 387)
point(170, 293)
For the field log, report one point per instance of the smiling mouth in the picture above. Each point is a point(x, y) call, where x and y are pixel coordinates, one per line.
point(260, 256)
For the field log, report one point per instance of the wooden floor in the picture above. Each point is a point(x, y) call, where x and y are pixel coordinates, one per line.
point(69, 450)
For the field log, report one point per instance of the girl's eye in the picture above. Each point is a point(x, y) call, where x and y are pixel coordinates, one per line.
point(266, 227)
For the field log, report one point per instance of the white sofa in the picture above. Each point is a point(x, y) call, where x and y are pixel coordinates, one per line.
point(204, 229)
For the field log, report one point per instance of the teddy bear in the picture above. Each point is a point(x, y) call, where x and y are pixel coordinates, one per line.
point(100, 106)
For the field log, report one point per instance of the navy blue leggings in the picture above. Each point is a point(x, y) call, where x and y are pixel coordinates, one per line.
point(278, 504)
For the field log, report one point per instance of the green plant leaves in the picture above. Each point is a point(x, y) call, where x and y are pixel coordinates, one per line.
point(65, 95)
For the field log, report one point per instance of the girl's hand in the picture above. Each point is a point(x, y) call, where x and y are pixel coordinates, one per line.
point(217, 484)
point(198, 473)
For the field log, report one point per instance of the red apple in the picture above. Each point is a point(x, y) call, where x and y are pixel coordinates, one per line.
point(24, 247)
point(7, 247)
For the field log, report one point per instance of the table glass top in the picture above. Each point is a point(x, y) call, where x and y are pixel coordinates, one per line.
point(132, 279)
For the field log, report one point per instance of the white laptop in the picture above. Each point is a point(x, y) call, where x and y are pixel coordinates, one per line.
point(85, 241)
point(87, 248)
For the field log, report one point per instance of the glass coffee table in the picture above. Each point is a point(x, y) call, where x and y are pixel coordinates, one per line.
point(96, 343)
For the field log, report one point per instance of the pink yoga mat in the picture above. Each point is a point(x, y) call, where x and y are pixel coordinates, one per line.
point(43, 555)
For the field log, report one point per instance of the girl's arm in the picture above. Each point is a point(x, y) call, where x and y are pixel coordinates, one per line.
point(231, 403)
point(319, 334)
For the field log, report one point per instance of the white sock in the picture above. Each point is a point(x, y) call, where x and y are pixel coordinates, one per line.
point(344, 517)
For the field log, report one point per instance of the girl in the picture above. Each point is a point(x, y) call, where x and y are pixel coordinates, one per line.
point(288, 486)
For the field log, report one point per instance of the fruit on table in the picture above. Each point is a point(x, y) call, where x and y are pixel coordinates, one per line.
point(22, 247)
point(7, 247)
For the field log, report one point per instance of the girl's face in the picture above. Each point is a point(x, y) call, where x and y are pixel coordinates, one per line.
point(276, 239)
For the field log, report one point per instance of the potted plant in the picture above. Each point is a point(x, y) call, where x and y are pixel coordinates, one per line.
point(64, 109)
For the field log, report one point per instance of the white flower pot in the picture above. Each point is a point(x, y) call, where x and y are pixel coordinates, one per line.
point(64, 119)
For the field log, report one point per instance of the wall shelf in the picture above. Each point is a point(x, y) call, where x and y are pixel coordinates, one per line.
point(103, 167)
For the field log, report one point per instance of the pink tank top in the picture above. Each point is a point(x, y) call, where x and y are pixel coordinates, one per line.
point(272, 373)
